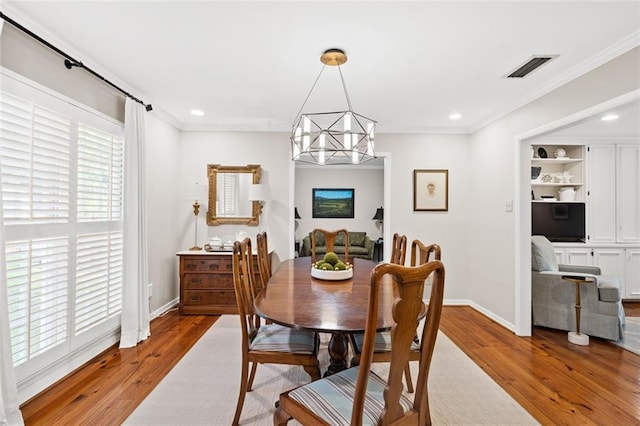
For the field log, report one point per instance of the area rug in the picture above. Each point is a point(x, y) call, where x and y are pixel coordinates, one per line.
point(202, 389)
point(631, 341)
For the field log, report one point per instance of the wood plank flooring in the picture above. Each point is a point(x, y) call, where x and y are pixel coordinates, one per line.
point(109, 387)
point(558, 383)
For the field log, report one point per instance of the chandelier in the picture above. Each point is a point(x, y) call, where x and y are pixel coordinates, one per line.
point(339, 137)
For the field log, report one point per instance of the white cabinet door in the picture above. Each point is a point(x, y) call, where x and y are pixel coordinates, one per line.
point(601, 201)
point(579, 256)
point(628, 198)
point(611, 261)
point(632, 276)
point(560, 255)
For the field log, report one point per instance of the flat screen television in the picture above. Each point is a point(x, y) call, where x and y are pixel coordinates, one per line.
point(559, 222)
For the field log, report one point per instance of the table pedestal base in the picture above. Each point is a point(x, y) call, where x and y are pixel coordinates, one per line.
point(338, 350)
point(578, 338)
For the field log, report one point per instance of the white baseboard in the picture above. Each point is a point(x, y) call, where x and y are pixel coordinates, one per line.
point(456, 302)
point(493, 316)
point(36, 383)
point(164, 308)
point(482, 310)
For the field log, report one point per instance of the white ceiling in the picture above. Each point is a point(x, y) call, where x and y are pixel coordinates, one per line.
point(626, 126)
point(249, 65)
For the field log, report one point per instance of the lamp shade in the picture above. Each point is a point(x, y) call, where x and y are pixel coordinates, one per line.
point(259, 192)
point(379, 214)
point(296, 215)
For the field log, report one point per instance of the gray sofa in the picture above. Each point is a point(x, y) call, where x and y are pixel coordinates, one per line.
point(553, 299)
point(359, 245)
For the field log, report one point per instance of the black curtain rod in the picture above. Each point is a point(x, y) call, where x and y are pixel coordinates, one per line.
point(69, 61)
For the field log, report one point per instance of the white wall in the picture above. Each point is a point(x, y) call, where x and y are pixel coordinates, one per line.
point(449, 229)
point(270, 151)
point(486, 261)
point(500, 243)
point(163, 150)
point(368, 194)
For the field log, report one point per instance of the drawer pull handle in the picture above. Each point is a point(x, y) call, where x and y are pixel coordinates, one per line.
point(195, 298)
point(196, 281)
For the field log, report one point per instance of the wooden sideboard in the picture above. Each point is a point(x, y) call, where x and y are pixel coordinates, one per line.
point(206, 283)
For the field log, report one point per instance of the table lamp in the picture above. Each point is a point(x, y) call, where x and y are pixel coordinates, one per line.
point(379, 217)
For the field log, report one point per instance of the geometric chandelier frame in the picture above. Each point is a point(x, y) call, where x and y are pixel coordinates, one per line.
point(331, 138)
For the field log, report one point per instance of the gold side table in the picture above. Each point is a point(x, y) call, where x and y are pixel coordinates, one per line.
point(576, 337)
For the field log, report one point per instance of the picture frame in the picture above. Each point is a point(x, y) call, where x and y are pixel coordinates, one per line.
point(333, 203)
point(430, 190)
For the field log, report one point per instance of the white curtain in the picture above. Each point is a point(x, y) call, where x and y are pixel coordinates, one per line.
point(9, 408)
point(135, 298)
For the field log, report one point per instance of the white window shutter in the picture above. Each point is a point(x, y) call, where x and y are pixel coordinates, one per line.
point(62, 180)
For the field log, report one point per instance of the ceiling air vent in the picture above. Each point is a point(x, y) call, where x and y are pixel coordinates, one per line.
point(531, 65)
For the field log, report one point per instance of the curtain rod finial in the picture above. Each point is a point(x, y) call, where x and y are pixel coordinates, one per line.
point(69, 64)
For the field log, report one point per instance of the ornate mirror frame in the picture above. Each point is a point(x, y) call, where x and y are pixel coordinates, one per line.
point(212, 173)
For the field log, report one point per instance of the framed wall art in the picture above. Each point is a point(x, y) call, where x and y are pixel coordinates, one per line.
point(332, 203)
point(430, 190)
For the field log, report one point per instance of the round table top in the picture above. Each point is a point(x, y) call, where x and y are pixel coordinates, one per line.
point(294, 299)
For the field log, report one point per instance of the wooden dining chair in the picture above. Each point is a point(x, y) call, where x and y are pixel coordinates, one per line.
point(420, 254)
point(358, 395)
point(398, 249)
point(265, 343)
point(264, 260)
point(329, 238)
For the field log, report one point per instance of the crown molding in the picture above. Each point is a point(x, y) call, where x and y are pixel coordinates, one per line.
point(612, 52)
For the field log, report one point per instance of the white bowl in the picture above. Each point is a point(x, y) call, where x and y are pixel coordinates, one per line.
point(322, 274)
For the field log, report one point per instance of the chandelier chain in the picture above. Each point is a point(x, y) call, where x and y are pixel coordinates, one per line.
point(344, 86)
point(311, 91)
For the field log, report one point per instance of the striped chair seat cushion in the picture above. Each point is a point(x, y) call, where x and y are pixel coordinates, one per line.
point(276, 338)
point(383, 342)
point(331, 398)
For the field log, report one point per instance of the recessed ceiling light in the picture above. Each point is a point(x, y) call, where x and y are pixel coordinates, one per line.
point(455, 116)
point(197, 112)
point(610, 117)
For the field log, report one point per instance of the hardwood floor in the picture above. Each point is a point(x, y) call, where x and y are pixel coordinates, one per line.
point(555, 381)
point(558, 383)
point(108, 388)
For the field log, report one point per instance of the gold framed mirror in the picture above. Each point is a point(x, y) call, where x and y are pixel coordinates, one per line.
point(228, 195)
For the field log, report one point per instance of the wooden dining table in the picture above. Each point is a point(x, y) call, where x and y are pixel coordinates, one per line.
point(294, 298)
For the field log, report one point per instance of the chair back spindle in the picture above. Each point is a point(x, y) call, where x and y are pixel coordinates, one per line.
point(398, 249)
point(421, 253)
point(330, 238)
point(264, 260)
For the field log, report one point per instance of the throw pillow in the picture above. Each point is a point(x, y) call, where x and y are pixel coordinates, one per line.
point(357, 238)
point(543, 257)
point(319, 238)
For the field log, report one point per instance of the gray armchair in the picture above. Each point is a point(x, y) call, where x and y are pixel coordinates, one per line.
point(553, 299)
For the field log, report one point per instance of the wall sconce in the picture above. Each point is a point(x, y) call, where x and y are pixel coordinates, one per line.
point(379, 217)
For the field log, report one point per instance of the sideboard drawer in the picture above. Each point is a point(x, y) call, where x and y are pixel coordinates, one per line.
point(210, 297)
point(208, 281)
point(201, 263)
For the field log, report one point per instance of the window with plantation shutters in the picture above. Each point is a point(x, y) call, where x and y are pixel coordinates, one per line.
point(227, 187)
point(62, 177)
